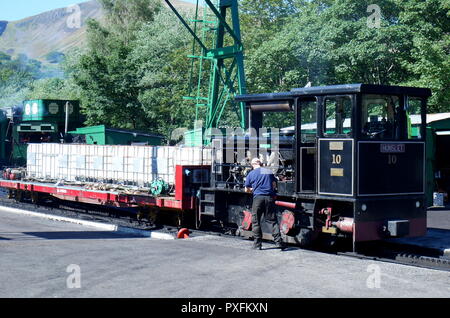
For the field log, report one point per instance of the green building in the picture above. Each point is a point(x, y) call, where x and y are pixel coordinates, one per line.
point(102, 135)
point(438, 155)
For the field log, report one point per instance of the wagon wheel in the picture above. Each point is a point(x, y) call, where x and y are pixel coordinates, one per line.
point(19, 196)
point(35, 198)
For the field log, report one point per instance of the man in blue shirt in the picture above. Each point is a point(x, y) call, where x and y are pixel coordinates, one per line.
point(262, 183)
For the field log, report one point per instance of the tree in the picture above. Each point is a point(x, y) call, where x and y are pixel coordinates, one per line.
point(105, 73)
point(161, 53)
point(331, 42)
point(134, 71)
point(16, 76)
point(4, 57)
point(55, 57)
point(126, 17)
point(429, 63)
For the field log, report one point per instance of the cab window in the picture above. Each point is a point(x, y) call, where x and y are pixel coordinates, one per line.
point(338, 116)
point(382, 117)
point(308, 121)
point(414, 117)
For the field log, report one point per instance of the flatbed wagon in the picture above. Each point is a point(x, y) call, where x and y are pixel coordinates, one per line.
point(181, 202)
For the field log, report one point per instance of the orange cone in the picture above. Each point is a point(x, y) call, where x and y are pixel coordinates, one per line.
point(183, 234)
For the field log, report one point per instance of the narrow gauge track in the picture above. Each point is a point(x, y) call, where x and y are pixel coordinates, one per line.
point(81, 212)
point(404, 258)
point(384, 252)
point(87, 212)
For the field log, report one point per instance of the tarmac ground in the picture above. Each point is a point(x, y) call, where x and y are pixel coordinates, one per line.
point(41, 258)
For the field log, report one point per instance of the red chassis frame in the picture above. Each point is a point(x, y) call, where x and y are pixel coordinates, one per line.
point(181, 201)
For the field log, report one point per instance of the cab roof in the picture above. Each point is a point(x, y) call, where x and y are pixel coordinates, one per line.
point(335, 90)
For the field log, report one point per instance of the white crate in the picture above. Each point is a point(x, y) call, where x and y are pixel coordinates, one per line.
point(136, 164)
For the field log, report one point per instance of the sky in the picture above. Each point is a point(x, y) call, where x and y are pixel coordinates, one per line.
point(12, 10)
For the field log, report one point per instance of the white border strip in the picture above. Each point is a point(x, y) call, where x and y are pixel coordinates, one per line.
point(102, 226)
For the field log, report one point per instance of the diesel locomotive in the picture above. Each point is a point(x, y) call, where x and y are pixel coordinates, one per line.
point(351, 165)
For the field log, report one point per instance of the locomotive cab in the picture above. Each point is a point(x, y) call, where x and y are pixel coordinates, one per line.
point(371, 149)
point(357, 162)
point(391, 144)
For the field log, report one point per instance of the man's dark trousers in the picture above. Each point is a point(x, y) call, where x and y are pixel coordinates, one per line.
point(264, 205)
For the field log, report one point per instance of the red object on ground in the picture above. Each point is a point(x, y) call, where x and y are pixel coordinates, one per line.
point(183, 234)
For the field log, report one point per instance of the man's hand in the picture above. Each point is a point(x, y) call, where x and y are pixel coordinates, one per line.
point(248, 190)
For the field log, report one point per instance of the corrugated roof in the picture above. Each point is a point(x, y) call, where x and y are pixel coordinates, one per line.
point(436, 117)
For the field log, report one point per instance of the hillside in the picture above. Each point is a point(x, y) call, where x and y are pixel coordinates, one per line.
point(50, 31)
point(3, 25)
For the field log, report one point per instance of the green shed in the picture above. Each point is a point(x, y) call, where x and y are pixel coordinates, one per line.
point(102, 135)
point(438, 155)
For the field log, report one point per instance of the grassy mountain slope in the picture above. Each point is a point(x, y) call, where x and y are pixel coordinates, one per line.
point(54, 30)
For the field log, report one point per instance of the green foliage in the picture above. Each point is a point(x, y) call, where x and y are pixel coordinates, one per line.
point(16, 76)
point(55, 57)
point(134, 71)
point(429, 62)
point(160, 53)
point(136, 79)
point(106, 72)
point(330, 42)
point(264, 18)
point(4, 57)
point(53, 88)
point(125, 17)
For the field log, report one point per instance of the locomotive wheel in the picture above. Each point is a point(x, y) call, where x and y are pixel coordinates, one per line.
point(306, 238)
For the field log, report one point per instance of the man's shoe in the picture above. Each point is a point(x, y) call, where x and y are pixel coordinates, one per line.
point(257, 247)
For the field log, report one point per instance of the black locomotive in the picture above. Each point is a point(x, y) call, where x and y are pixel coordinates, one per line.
point(352, 164)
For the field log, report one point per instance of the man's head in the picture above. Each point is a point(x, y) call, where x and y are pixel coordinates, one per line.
point(256, 163)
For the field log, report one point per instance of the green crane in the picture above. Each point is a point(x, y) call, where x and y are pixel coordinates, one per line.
point(219, 43)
